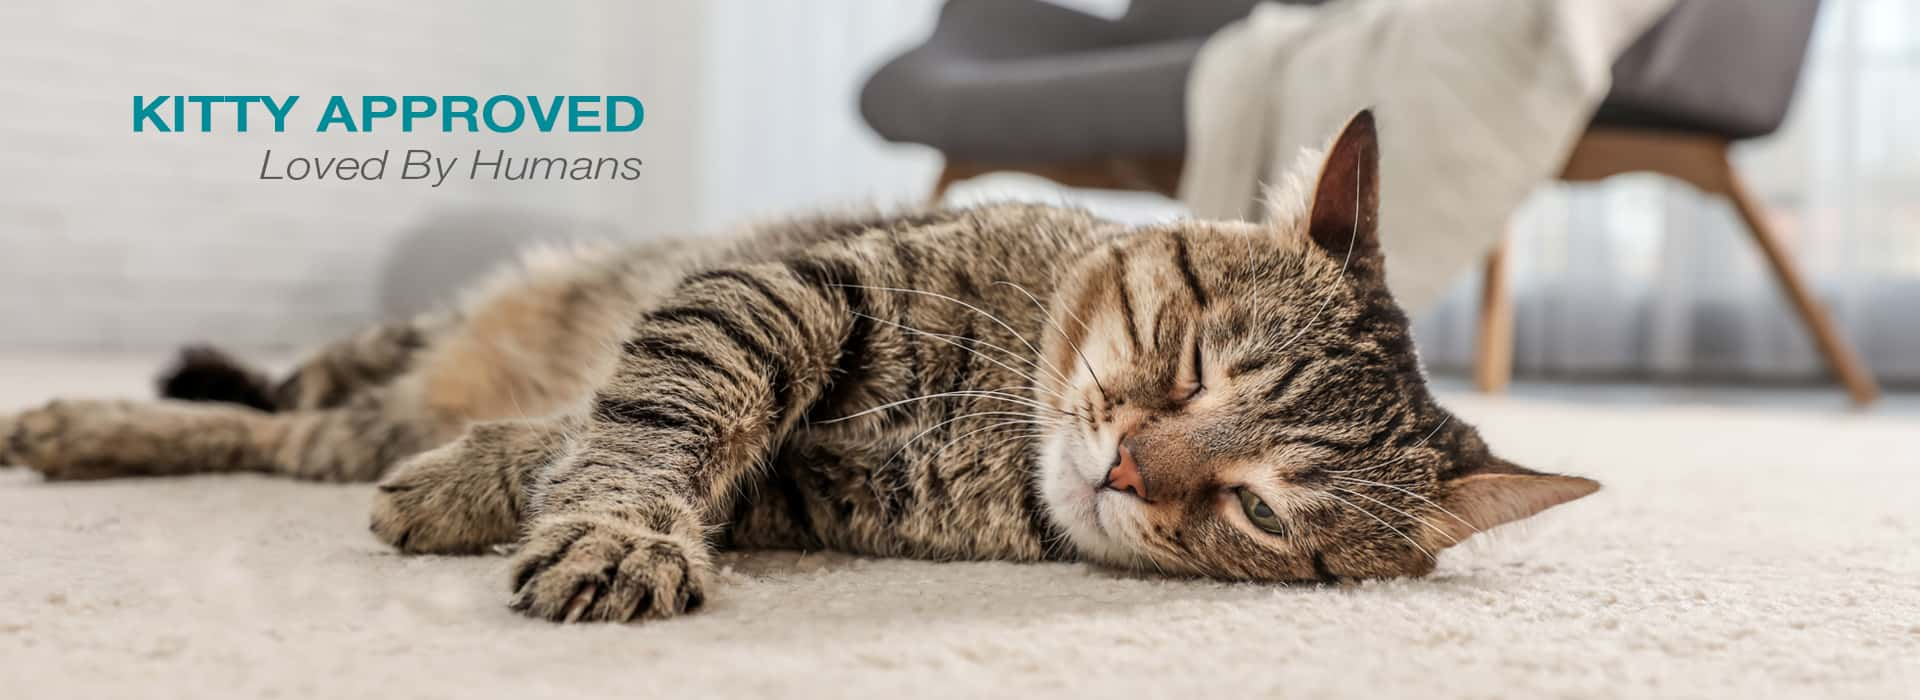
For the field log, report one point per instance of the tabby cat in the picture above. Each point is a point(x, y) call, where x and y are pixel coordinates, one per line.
point(1013, 382)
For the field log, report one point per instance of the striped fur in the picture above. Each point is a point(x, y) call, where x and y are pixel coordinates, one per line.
point(946, 385)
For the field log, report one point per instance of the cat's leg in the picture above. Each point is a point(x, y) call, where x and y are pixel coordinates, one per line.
point(369, 359)
point(468, 495)
point(556, 329)
point(81, 439)
point(329, 378)
point(535, 307)
point(534, 344)
point(709, 382)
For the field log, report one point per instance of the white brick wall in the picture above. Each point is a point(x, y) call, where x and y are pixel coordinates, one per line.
point(116, 240)
point(781, 106)
point(111, 240)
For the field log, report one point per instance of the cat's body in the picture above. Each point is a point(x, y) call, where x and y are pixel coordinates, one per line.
point(1008, 382)
point(939, 478)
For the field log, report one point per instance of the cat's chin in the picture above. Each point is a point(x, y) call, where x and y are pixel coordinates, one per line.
point(1075, 502)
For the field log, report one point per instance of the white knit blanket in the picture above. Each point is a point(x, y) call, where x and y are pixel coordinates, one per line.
point(1478, 102)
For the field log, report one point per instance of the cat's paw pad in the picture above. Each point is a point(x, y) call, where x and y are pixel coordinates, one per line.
point(439, 502)
point(604, 570)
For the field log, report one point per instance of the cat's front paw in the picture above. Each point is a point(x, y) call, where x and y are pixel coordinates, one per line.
point(587, 569)
point(445, 501)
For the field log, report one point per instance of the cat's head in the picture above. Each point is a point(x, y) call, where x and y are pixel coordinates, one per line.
point(1247, 403)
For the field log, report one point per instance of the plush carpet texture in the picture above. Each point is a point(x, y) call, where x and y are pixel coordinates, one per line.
point(1734, 553)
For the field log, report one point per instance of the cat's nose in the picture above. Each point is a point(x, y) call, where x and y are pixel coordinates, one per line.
point(1124, 475)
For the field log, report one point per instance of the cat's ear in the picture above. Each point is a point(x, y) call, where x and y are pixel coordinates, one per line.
point(1343, 216)
point(1496, 495)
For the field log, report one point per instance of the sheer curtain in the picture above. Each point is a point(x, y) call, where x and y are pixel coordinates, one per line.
point(1642, 276)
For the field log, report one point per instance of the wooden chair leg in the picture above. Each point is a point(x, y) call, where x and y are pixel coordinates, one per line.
point(1493, 356)
point(950, 173)
point(1840, 355)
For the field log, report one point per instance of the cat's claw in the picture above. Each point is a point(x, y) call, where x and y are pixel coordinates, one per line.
point(580, 602)
point(580, 569)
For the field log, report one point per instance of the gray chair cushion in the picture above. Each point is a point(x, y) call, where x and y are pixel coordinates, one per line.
point(1726, 67)
point(1025, 81)
point(1021, 80)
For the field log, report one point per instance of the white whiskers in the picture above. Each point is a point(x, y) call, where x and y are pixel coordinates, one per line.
point(949, 339)
point(1352, 240)
point(1391, 507)
point(1402, 458)
point(975, 309)
point(991, 394)
point(1436, 505)
point(1028, 417)
point(1383, 522)
point(1063, 336)
point(996, 426)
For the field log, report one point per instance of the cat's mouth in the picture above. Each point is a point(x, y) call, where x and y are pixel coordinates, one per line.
point(1073, 488)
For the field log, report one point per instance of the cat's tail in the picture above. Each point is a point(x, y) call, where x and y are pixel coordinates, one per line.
point(204, 373)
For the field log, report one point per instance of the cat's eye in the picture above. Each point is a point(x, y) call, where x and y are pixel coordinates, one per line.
point(1259, 512)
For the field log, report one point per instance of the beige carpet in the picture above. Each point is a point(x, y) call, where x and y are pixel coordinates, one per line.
point(1735, 553)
